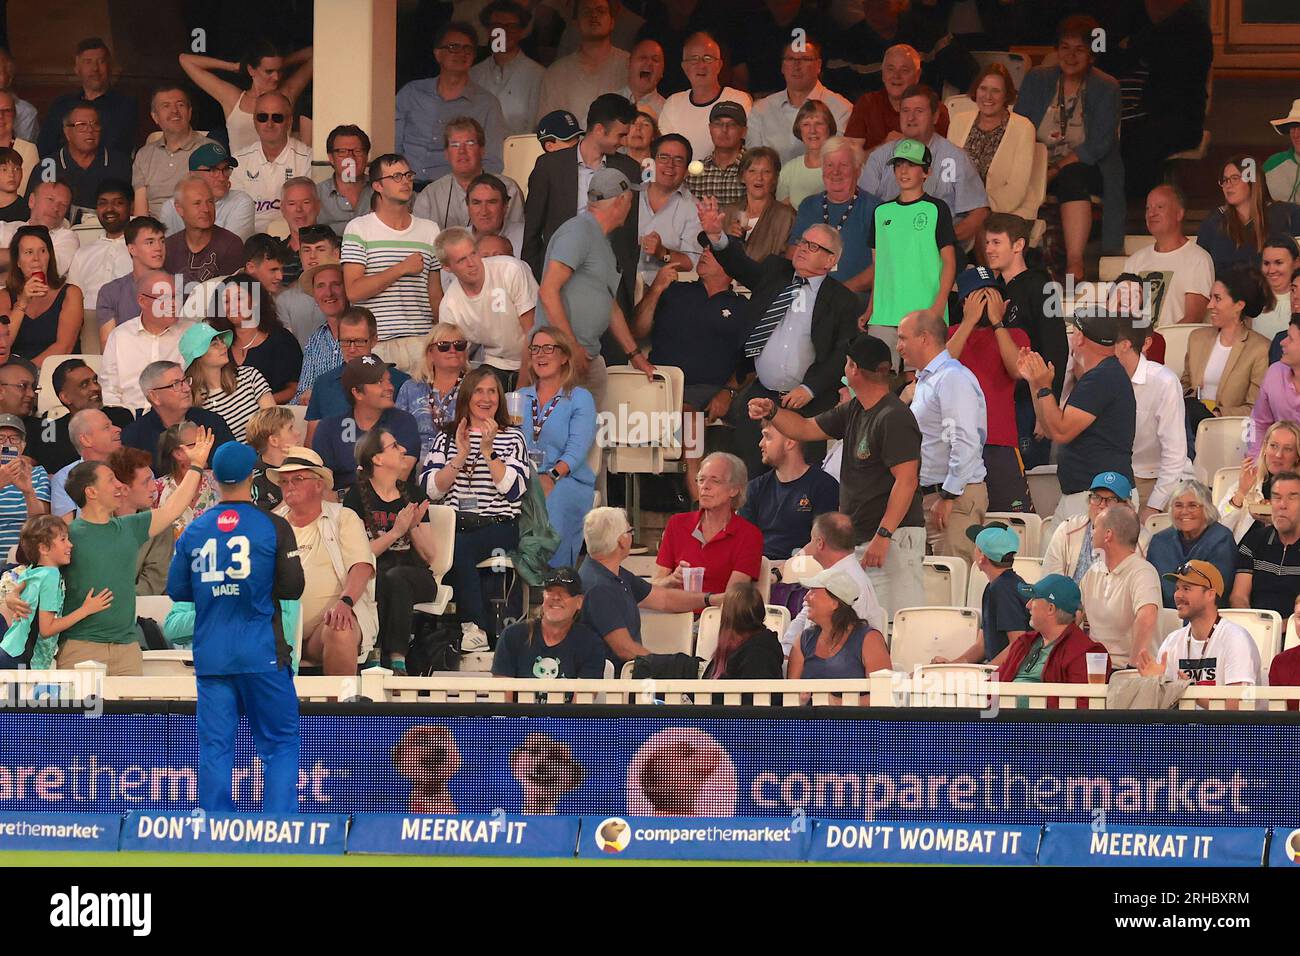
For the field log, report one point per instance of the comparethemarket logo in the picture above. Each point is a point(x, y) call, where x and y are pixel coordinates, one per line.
point(613, 835)
point(75, 909)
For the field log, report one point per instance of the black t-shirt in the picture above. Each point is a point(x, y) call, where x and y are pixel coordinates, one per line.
point(58, 452)
point(378, 516)
point(784, 511)
point(1275, 568)
point(17, 211)
point(581, 655)
point(266, 493)
point(1029, 299)
point(875, 439)
point(278, 358)
point(1002, 609)
point(1106, 444)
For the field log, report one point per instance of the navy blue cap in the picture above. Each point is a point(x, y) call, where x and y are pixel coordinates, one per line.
point(979, 277)
point(233, 462)
point(558, 124)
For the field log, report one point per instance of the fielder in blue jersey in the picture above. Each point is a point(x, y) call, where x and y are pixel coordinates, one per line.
point(235, 562)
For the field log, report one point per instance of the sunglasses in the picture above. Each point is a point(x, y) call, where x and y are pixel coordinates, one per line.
point(459, 345)
point(564, 577)
point(1188, 571)
point(269, 117)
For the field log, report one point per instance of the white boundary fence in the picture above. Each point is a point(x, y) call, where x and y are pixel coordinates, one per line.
point(939, 687)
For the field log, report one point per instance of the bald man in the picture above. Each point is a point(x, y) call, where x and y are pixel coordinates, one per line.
point(1182, 272)
point(202, 250)
point(263, 169)
point(152, 336)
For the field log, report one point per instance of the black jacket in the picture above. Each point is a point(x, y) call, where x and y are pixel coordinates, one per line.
point(834, 319)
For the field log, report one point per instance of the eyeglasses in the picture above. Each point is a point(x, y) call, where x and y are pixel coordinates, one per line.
point(223, 169)
point(1232, 180)
point(340, 151)
point(298, 481)
point(390, 447)
point(459, 345)
point(674, 160)
point(1102, 499)
point(406, 177)
point(542, 349)
point(814, 246)
point(354, 343)
point(463, 144)
point(21, 386)
point(456, 48)
point(179, 385)
point(696, 60)
point(82, 126)
point(269, 117)
point(1188, 506)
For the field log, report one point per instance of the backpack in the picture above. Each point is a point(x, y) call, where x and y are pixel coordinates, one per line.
point(435, 647)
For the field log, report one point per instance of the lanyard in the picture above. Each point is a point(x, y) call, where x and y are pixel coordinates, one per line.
point(438, 407)
point(826, 210)
point(1062, 117)
point(550, 407)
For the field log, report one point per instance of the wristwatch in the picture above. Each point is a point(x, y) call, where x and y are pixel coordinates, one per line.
point(948, 495)
point(633, 354)
point(555, 474)
point(883, 532)
point(348, 601)
point(1043, 392)
point(666, 258)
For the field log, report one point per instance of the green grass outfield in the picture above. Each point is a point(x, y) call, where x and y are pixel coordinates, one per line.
point(84, 859)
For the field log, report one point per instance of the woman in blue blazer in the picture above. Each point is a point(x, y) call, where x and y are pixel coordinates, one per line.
point(559, 425)
point(1075, 109)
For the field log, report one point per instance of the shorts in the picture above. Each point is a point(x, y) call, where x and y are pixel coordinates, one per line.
point(1078, 182)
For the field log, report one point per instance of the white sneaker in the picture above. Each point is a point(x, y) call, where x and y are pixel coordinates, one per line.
point(472, 638)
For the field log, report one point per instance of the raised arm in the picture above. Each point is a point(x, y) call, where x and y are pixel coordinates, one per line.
point(789, 423)
point(297, 82)
point(166, 513)
point(201, 69)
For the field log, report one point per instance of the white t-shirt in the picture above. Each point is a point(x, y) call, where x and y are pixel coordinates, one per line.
point(682, 116)
point(1228, 657)
point(263, 179)
point(403, 308)
point(491, 318)
point(1188, 268)
point(1112, 599)
point(1214, 370)
point(97, 263)
point(1270, 323)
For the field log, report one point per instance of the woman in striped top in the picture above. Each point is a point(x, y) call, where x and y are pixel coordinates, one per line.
point(235, 392)
point(478, 465)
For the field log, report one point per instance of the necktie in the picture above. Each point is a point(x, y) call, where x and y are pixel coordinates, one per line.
point(772, 318)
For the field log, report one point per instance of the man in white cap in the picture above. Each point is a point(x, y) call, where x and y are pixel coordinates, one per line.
point(1282, 170)
point(581, 272)
point(340, 618)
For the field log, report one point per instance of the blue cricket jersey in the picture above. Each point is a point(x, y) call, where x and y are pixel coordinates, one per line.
point(234, 562)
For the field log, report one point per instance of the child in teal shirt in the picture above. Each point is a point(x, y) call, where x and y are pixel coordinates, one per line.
point(44, 540)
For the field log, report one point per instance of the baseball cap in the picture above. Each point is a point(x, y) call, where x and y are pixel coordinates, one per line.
point(197, 338)
point(1115, 483)
point(911, 151)
point(233, 462)
point(609, 184)
point(870, 353)
point(996, 540)
point(559, 125)
point(363, 370)
point(980, 277)
point(1102, 329)
point(837, 583)
point(566, 578)
point(1057, 588)
point(1200, 573)
point(14, 422)
point(729, 109)
point(211, 155)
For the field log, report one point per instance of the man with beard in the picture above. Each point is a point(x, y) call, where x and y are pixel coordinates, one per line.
point(77, 386)
point(105, 259)
point(557, 645)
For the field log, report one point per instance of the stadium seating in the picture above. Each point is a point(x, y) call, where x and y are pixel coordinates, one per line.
point(922, 633)
point(667, 633)
point(1176, 337)
point(1158, 522)
point(1265, 627)
point(706, 640)
point(1220, 443)
point(945, 579)
point(1045, 534)
point(442, 519)
point(1044, 489)
point(1029, 567)
point(520, 155)
point(1225, 480)
point(1028, 526)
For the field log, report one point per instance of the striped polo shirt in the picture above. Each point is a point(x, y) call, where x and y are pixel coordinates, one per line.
point(403, 308)
point(475, 479)
point(13, 509)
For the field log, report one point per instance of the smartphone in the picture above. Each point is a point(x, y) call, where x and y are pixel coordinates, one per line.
point(7, 454)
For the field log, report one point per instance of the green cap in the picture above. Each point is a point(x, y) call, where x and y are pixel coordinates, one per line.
point(911, 151)
point(197, 338)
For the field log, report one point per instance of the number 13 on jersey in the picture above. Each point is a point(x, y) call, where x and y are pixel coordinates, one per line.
point(204, 561)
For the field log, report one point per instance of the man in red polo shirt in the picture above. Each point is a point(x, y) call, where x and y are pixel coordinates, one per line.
point(989, 349)
point(1055, 651)
point(715, 538)
point(874, 119)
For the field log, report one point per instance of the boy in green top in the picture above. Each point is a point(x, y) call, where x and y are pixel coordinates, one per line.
point(45, 537)
point(915, 247)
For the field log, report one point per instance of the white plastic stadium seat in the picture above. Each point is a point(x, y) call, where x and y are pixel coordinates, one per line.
point(1028, 566)
point(442, 519)
point(764, 581)
point(922, 633)
point(520, 156)
point(1158, 522)
point(1225, 480)
point(642, 565)
point(1176, 337)
point(706, 641)
point(1044, 488)
point(1266, 627)
point(1167, 621)
point(1045, 535)
point(154, 607)
point(945, 579)
point(1110, 268)
point(1220, 443)
point(1016, 63)
point(665, 633)
point(47, 401)
point(1028, 527)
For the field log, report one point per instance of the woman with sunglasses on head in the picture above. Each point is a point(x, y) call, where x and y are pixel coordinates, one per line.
point(560, 428)
point(44, 310)
point(263, 69)
point(430, 397)
point(394, 513)
point(478, 465)
point(1237, 230)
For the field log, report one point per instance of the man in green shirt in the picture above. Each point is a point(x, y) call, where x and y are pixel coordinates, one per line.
point(104, 550)
point(915, 248)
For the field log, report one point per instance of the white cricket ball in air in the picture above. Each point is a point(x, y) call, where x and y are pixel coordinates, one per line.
point(695, 168)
